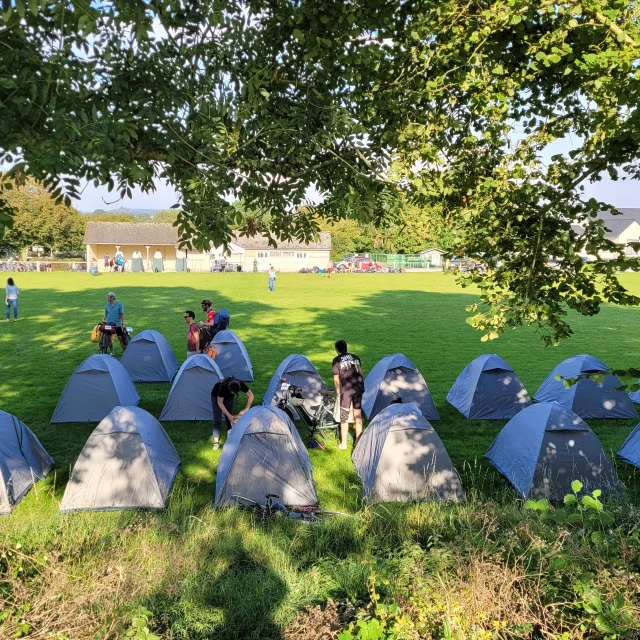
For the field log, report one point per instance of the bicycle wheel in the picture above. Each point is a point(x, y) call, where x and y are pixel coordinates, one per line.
point(245, 503)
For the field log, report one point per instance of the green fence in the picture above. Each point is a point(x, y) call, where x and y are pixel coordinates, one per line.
point(398, 260)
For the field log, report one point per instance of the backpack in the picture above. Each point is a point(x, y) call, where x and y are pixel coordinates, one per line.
point(221, 321)
point(205, 337)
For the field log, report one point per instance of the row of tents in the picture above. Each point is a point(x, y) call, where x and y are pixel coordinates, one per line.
point(129, 462)
point(487, 389)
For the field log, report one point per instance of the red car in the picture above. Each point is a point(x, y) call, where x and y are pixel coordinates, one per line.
point(358, 262)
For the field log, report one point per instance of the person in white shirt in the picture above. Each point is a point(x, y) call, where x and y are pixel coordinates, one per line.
point(272, 278)
point(11, 293)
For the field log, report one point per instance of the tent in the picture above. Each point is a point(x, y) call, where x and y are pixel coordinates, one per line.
point(190, 395)
point(181, 261)
point(588, 398)
point(630, 450)
point(98, 385)
point(137, 265)
point(545, 447)
point(400, 458)
point(264, 454)
point(150, 358)
point(232, 357)
point(158, 265)
point(488, 389)
point(635, 395)
point(23, 460)
point(128, 462)
point(396, 377)
point(298, 370)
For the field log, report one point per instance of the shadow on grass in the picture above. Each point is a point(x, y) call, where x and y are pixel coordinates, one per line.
point(428, 327)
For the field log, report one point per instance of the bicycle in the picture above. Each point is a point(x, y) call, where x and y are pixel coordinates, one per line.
point(271, 508)
point(107, 330)
point(320, 422)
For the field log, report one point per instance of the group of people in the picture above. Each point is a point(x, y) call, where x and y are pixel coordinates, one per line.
point(346, 369)
point(118, 263)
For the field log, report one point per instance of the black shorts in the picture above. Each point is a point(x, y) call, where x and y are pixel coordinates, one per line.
point(349, 398)
point(119, 331)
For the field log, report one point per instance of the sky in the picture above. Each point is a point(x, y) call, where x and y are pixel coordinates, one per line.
point(621, 193)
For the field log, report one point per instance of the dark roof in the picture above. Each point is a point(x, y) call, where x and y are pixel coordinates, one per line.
point(142, 233)
point(261, 242)
point(123, 233)
point(617, 225)
point(626, 214)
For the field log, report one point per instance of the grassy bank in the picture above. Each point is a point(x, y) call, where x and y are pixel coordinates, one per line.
point(487, 567)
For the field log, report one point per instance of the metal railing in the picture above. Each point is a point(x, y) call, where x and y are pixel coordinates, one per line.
point(18, 266)
point(398, 260)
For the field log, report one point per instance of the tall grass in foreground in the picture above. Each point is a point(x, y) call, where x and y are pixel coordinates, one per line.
point(480, 569)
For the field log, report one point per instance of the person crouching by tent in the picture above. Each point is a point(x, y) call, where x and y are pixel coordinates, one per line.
point(223, 398)
point(349, 383)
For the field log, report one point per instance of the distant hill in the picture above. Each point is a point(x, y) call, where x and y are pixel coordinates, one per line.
point(135, 212)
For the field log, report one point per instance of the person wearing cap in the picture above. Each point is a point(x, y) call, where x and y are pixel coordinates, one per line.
point(114, 314)
point(206, 327)
point(223, 398)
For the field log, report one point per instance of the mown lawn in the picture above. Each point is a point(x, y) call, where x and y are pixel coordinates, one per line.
point(205, 574)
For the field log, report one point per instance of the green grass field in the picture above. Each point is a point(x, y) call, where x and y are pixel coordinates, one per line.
point(206, 574)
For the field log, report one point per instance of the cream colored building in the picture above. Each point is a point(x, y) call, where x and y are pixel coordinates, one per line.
point(106, 238)
point(622, 229)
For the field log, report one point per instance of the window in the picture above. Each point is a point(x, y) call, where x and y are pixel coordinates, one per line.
point(289, 254)
point(276, 254)
point(301, 255)
point(263, 254)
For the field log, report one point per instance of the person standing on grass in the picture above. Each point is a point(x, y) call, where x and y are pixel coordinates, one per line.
point(329, 268)
point(272, 278)
point(11, 293)
point(223, 399)
point(349, 383)
point(206, 327)
point(106, 261)
point(114, 314)
point(193, 333)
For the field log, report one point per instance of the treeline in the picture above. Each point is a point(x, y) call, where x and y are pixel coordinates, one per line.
point(58, 229)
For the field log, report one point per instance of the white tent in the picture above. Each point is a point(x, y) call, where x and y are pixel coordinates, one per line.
point(190, 395)
point(400, 458)
point(128, 462)
point(98, 385)
point(23, 460)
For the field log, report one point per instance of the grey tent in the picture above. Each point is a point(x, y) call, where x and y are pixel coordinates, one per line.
point(150, 358)
point(588, 398)
point(232, 358)
point(488, 389)
point(128, 462)
point(545, 447)
point(137, 265)
point(181, 261)
point(392, 378)
point(630, 450)
point(98, 385)
point(635, 395)
point(297, 370)
point(264, 454)
point(158, 264)
point(23, 460)
point(190, 395)
point(400, 458)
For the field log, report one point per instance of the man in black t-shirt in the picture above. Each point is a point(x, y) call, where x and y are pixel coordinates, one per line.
point(349, 383)
point(223, 398)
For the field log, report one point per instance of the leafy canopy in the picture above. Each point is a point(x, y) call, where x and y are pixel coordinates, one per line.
point(375, 103)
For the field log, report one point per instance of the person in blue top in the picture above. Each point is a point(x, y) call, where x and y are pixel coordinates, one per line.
point(114, 314)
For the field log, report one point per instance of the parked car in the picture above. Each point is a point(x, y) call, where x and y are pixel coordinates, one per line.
point(360, 263)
